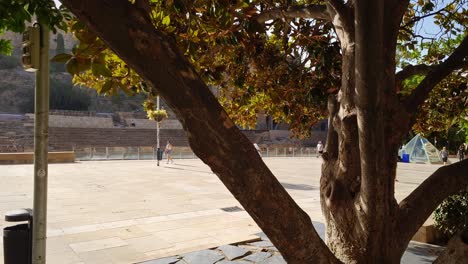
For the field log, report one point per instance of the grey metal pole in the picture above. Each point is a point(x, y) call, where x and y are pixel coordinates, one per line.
point(158, 147)
point(41, 132)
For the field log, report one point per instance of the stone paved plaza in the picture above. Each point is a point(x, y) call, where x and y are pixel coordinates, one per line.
point(134, 211)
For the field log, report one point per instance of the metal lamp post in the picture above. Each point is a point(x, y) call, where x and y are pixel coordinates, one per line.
point(36, 59)
point(158, 147)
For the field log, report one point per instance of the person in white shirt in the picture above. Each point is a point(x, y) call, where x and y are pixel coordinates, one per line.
point(319, 149)
point(168, 151)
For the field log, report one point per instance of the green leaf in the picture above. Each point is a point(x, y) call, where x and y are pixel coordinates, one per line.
point(63, 57)
point(72, 66)
point(166, 21)
point(106, 87)
point(100, 70)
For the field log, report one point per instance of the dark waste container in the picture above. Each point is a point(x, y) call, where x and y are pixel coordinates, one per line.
point(159, 154)
point(405, 158)
point(17, 239)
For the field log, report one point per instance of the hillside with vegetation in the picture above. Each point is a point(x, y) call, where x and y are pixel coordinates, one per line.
point(17, 85)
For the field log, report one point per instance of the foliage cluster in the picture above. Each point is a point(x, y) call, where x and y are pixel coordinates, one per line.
point(451, 216)
point(447, 104)
point(157, 115)
point(285, 68)
point(14, 14)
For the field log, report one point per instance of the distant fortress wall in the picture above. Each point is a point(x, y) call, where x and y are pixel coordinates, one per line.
point(71, 129)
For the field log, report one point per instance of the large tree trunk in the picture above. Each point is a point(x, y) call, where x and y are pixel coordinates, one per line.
point(359, 168)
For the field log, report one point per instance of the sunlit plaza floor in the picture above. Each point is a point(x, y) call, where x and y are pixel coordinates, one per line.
point(132, 211)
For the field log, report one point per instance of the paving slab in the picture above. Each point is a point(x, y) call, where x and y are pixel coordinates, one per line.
point(274, 260)
point(99, 244)
point(203, 257)
point(234, 262)
point(262, 244)
point(257, 257)
point(233, 252)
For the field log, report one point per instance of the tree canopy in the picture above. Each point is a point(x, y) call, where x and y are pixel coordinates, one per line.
point(283, 62)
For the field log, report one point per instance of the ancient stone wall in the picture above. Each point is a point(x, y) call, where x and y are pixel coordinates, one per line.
point(65, 138)
point(78, 121)
point(76, 130)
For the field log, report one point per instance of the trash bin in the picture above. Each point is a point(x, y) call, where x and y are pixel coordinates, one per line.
point(159, 154)
point(405, 158)
point(17, 239)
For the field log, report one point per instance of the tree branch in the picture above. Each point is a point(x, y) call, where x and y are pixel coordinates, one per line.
point(418, 206)
point(412, 70)
point(339, 7)
point(344, 13)
point(455, 61)
point(397, 11)
point(418, 18)
point(156, 58)
point(305, 11)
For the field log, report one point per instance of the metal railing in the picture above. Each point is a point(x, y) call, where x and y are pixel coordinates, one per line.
point(149, 153)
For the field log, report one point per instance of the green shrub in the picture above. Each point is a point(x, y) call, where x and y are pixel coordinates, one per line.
point(452, 215)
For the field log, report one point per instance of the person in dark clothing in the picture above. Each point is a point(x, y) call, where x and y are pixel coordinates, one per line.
point(461, 152)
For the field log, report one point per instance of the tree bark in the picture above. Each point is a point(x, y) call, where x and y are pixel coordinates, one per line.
point(456, 251)
point(211, 133)
point(357, 183)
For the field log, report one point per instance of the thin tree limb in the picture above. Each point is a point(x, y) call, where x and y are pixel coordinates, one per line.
point(418, 205)
point(231, 156)
point(418, 18)
point(456, 60)
point(305, 11)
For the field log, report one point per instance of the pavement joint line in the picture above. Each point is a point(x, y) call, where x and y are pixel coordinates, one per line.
point(127, 223)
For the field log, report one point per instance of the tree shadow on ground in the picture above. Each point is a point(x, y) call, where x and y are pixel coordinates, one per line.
point(182, 169)
point(319, 227)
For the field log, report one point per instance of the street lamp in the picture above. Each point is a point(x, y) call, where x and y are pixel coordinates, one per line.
point(158, 146)
point(158, 115)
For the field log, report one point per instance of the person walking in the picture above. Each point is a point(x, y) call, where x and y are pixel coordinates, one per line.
point(461, 152)
point(444, 155)
point(319, 149)
point(168, 151)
